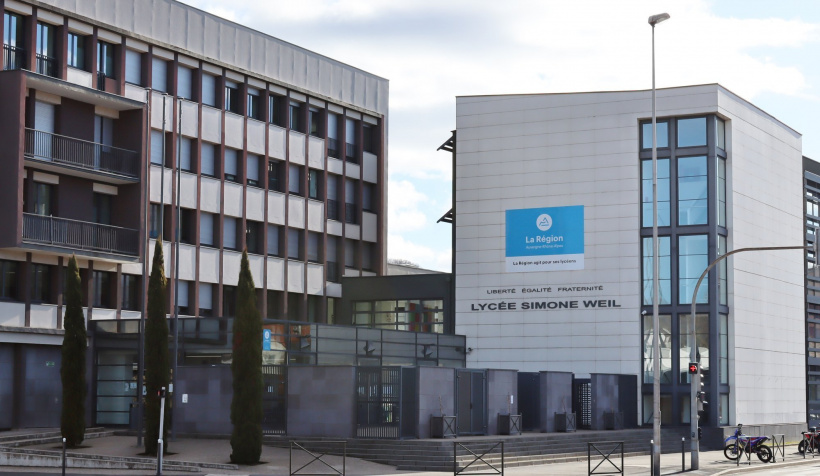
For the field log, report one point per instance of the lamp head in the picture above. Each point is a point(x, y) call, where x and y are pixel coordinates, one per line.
point(655, 19)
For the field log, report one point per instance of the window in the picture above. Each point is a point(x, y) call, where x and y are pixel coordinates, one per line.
point(184, 153)
point(702, 336)
point(231, 172)
point(723, 285)
point(207, 229)
point(721, 134)
point(14, 56)
point(665, 277)
point(274, 237)
point(252, 169)
point(159, 74)
point(274, 304)
point(314, 304)
point(333, 135)
point(76, 50)
point(368, 195)
point(209, 90)
point(350, 254)
point(275, 182)
point(9, 276)
point(665, 344)
point(41, 283)
point(275, 114)
point(350, 141)
point(102, 290)
point(663, 135)
point(46, 61)
point(723, 335)
point(693, 191)
point(691, 132)
point(332, 197)
point(723, 409)
point(157, 153)
point(105, 59)
point(721, 191)
point(228, 301)
point(692, 260)
point(294, 243)
point(130, 292)
point(187, 225)
point(43, 199)
point(232, 99)
point(351, 215)
point(315, 184)
point(155, 220)
point(253, 237)
point(295, 179)
point(369, 138)
point(405, 315)
point(315, 119)
point(314, 251)
point(182, 297)
point(663, 192)
point(102, 208)
point(331, 310)
point(206, 299)
point(254, 110)
point(332, 263)
point(229, 233)
point(294, 306)
point(295, 114)
point(207, 159)
point(185, 82)
point(133, 67)
point(367, 256)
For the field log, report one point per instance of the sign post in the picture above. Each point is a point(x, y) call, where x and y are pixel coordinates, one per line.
point(161, 395)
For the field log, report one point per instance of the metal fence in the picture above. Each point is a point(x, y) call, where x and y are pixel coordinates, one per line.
point(275, 400)
point(79, 153)
point(481, 457)
point(79, 234)
point(13, 57)
point(378, 402)
point(615, 447)
point(320, 457)
point(46, 65)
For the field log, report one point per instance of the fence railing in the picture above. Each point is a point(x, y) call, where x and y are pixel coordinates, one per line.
point(350, 153)
point(46, 65)
point(332, 209)
point(79, 153)
point(350, 214)
point(474, 467)
point(318, 457)
point(79, 234)
point(333, 147)
point(615, 448)
point(332, 271)
point(13, 57)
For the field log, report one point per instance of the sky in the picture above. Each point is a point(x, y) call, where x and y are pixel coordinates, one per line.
point(432, 51)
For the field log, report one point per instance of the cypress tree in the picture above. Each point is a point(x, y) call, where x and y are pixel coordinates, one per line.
point(157, 361)
point(72, 368)
point(246, 367)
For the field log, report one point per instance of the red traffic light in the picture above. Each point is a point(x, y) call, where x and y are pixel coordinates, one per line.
point(693, 367)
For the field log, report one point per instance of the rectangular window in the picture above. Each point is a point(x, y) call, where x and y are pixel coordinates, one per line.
point(206, 299)
point(332, 259)
point(209, 90)
point(274, 232)
point(76, 50)
point(229, 233)
point(691, 132)
point(723, 409)
point(665, 271)
point(295, 114)
point(693, 191)
point(351, 213)
point(182, 298)
point(159, 74)
point(187, 225)
point(231, 170)
point(43, 199)
point(207, 159)
point(130, 292)
point(351, 154)
point(721, 134)
point(254, 111)
point(702, 336)
point(294, 243)
point(314, 251)
point(275, 114)
point(721, 191)
point(295, 179)
point(369, 138)
point(133, 67)
point(184, 152)
point(41, 284)
point(46, 62)
point(207, 223)
point(252, 169)
point(232, 100)
point(315, 184)
point(12, 31)
point(663, 192)
point(350, 254)
point(368, 200)
point(723, 334)
point(665, 340)
point(228, 301)
point(102, 289)
point(295, 306)
point(102, 208)
point(723, 285)
point(253, 237)
point(315, 118)
point(367, 256)
point(692, 261)
point(275, 179)
point(274, 304)
point(155, 221)
point(333, 135)
point(662, 132)
point(332, 197)
point(9, 277)
point(157, 154)
point(185, 82)
point(105, 59)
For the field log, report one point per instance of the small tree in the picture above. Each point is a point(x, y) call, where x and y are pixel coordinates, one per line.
point(72, 369)
point(157, 367)
point(246, 367)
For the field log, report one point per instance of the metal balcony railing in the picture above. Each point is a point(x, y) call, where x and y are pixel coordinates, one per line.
point(46, 65)
point(332, 271)
point(333, 147)
point(332, 209)
point(13, 57)
point(350, 214)
point(79, 153)
point(350, 153)
point(79, 234)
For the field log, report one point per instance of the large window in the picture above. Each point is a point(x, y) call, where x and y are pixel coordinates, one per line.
point(295, 179)
point(130, 292)
point(207, 159)
point(208, 93)
point(229, 233)
point(274, 238)
point(702, 336)
point(206, 299)
point(105, 59)
point(102, 208)
point(692, 261)
point(184, 153)
point(663, 135)
point(76, 50)
point(294, 243)
point(231, 165)
point(721, 191)
point(157, 154)
point(207, 229)
point(351, 152)
point(185, 81)
point(665, 339)
point(43, 199)
point(723, 335)
point(232, 101)
point(254, 104)
point(723, 285)
point(159, 74)
point(333, 135)
point(315, 184)
point(691, 132)
point(665, 271)
point(663, 192)
point(275, 179)
point(46, 61)
point(14, 56)
point(9, 278)
point(314, 250)
point(253, 237)
point(133, 67)
point(692, 191)
point(405, 315)
point(351, 212)
point(102, 290)
point(41, 284)
point(333, 197)
point(295, 114)
point(315, 119)
point(275, 106)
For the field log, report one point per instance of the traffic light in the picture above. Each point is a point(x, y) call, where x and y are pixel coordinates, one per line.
point(693, 367)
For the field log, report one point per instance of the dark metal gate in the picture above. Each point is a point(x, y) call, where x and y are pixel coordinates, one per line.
point(471, 400)
point(529, 399)
point(582, 402)
point(275, 400)
point(379, 409)
point(409, 402)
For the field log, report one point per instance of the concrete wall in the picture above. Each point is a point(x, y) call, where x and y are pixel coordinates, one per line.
point(322, 401)
point(434, 382)
point(501, 384)
point(556, 397)
point(604, 398)
point(210, 391)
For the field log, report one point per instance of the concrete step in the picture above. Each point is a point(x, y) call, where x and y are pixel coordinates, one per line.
point(35, 435)
point(15, 457)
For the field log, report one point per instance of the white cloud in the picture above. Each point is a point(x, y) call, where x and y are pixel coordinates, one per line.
point(403, 207)
point(400, 248)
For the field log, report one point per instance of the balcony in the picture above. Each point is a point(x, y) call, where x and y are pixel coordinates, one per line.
point(46, 65)
point(79, 235)
point(332, 271)
point(13, 57)
point(332, 209)
point(350, 153)
point(85, 155)
point(350, 214)
point(333, 147)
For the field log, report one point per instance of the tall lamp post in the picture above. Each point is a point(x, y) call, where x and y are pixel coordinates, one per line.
point(656, 351)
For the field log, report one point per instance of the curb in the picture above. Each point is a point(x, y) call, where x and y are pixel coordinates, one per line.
point(762, 467)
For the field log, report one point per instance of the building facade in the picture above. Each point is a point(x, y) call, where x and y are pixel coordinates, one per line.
point(812, 190)
point(553, 250)
point(113, 114)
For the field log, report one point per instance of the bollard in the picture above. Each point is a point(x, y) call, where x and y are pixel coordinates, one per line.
point(683, 454)
point(652, 455)
point(159, 457)
point(63, 456)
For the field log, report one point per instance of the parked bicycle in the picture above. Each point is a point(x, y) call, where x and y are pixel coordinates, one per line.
point(739, 443)
point(810, 441)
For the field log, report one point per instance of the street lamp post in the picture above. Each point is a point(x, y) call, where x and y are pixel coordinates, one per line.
point(694, 386)
point(656, 352)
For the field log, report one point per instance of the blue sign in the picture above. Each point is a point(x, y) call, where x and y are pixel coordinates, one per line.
point(265, 339)
point(545, 239)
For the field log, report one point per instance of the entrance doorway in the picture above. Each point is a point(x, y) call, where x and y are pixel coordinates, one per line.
point(471, 400)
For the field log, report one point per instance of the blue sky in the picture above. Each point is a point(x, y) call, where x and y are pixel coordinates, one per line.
point(434, 50)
